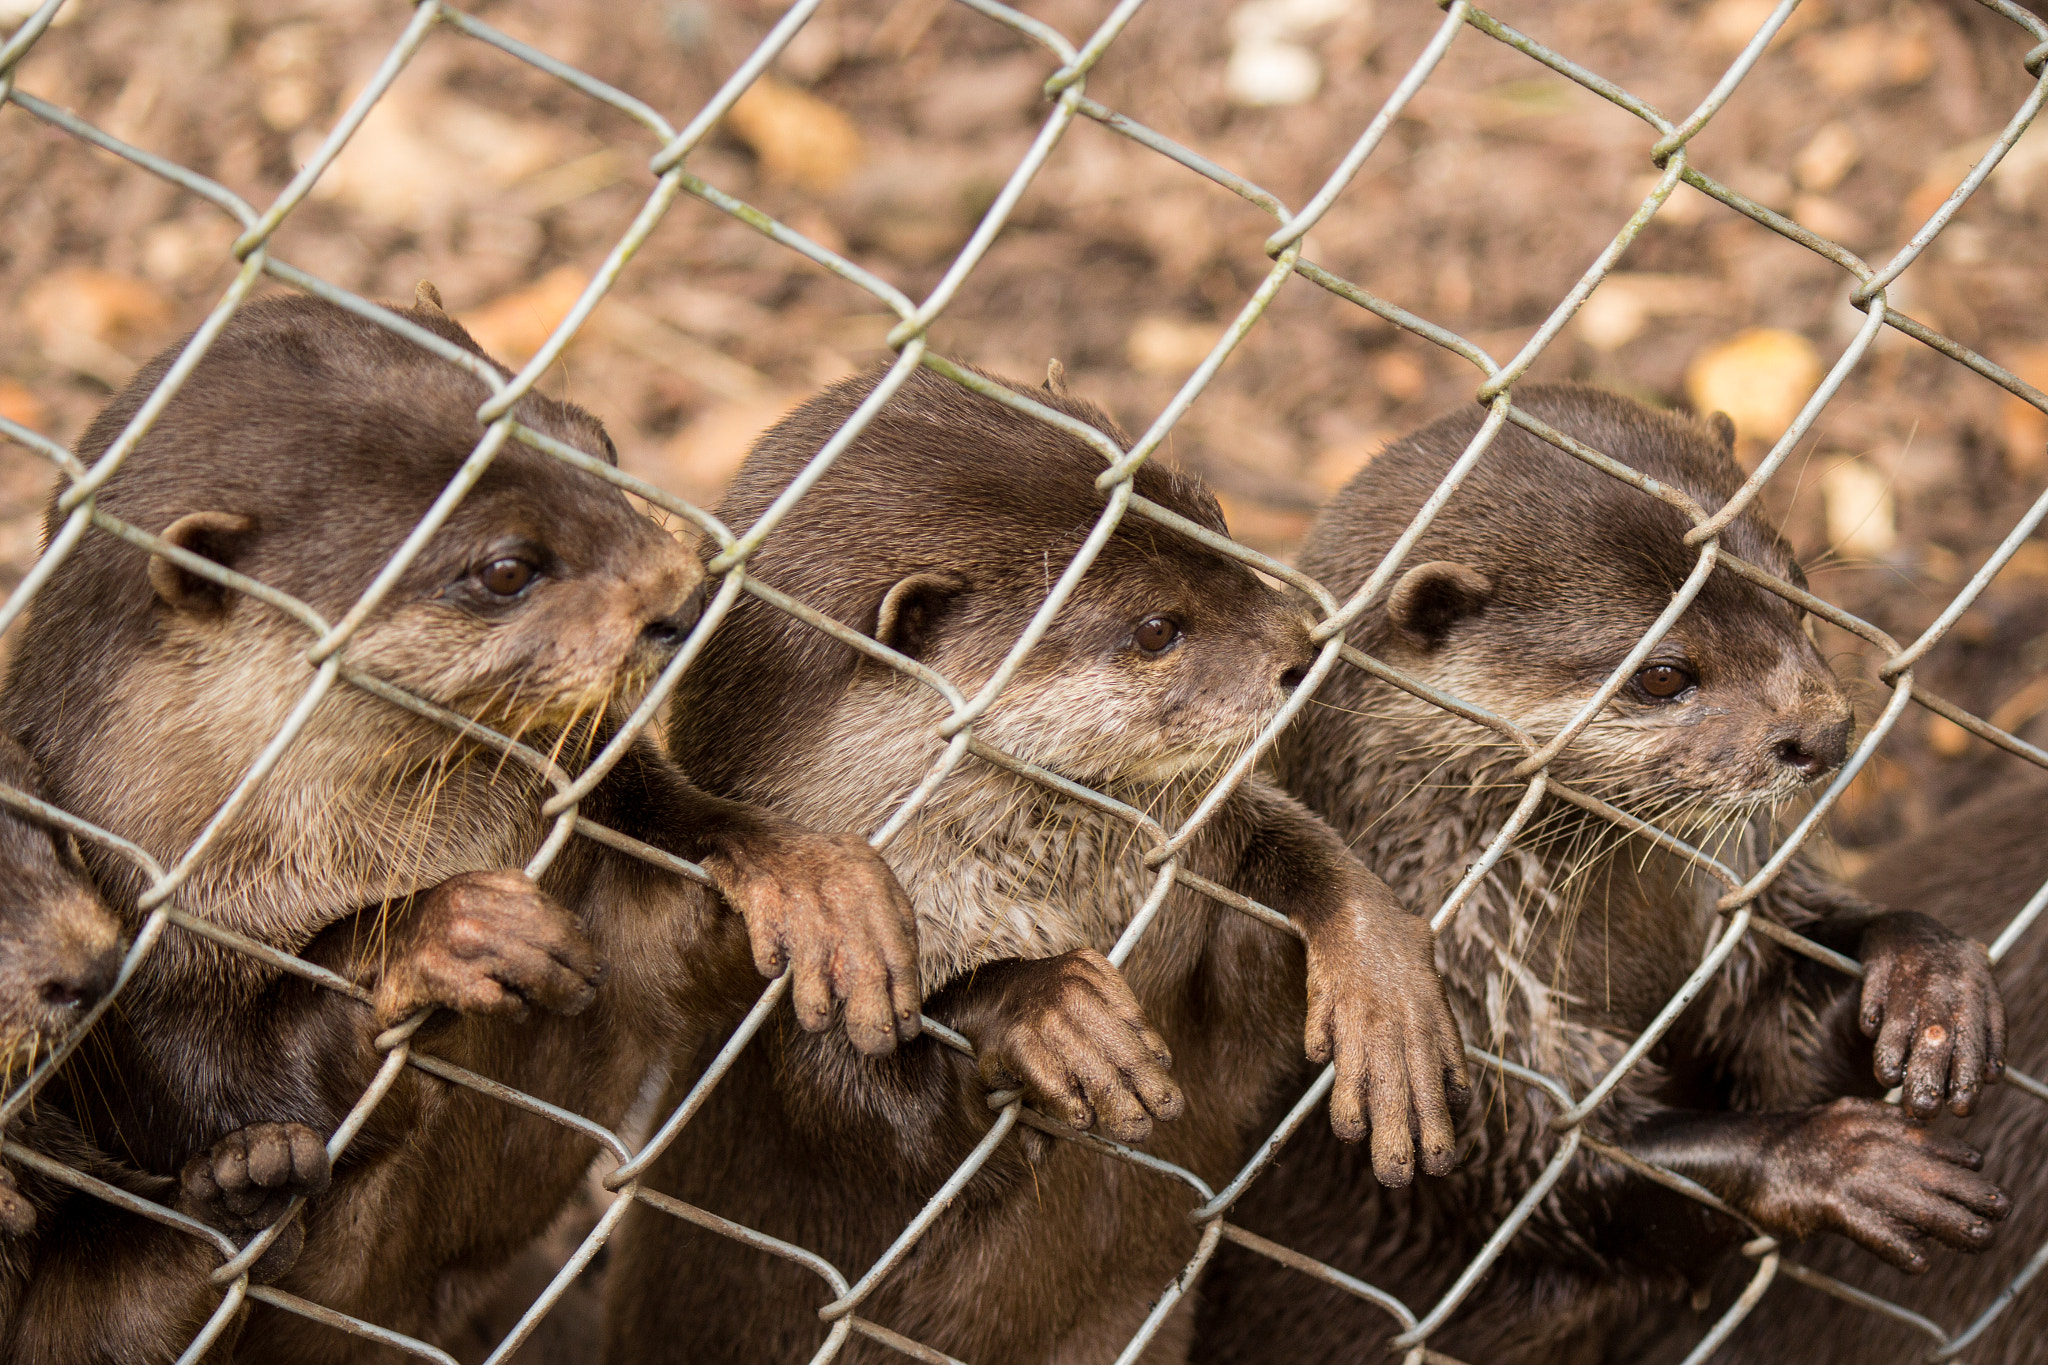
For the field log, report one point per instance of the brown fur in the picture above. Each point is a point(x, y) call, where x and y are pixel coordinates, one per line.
point(1974, 868)
point(302, 450)
point(60, 949)
point(940, 529)
point(1528, 589)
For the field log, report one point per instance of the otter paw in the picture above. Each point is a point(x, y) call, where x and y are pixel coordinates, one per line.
point(1068, 1031)
point(1376, 1007)
point(243, 1182)
point(828, 909)
point(1930, 1001)
point(488, 943)
point(246, 1181)
point(17, 1215)
point(1889, 1183)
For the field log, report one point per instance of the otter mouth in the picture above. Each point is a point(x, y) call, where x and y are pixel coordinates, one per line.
point(1197, 762)
point(564, 710)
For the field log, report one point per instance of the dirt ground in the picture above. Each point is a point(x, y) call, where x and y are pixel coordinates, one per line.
point(893, 123)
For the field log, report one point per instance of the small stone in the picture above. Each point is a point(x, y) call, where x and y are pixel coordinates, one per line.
point(1270, 72)
point(1862, 516)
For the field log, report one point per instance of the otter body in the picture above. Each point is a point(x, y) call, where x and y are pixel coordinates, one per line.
point(939, 531)
point(60, 951)
point(1974, 868)
point(302, 450)
point(1529, 588)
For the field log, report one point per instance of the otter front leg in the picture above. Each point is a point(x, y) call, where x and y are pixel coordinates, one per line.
point(1852, 1166)
point(1068, 1030)
point(823, 906)
point(1376, 1005)
point(486, 943)
point(246, 1181)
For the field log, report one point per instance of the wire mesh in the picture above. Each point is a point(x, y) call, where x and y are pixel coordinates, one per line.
point(1665, 141)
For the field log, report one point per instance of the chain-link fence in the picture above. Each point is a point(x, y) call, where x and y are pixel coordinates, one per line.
point(1665, 144)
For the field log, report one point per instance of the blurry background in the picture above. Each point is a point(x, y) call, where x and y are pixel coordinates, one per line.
point(888, 127)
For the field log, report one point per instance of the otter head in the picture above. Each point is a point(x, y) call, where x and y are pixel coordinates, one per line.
point(1166, 660)
point(60, 947)
point(302, 452)
point(940, 531)
point(1542, 573)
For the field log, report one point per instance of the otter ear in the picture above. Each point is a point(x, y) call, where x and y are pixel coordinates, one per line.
point(218, 536)
point(911, 610)
point(1724, 430)
point(1431, 598)
point(427, 298)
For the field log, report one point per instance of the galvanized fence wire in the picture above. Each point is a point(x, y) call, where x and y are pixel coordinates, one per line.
point(843, 1290)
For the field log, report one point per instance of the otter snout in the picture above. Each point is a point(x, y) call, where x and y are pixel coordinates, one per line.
point(65, 960)
point(1293, 652)
point(1813, 748)
point(666, 634)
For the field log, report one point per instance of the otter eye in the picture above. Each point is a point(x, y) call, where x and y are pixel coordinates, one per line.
point(1664, 681)
point(506, 577)
point(1155, 633)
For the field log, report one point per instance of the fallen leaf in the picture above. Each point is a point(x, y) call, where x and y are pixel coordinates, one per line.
point(1760, 378)
point(1828, 155)
point(1829, 217)
point(1262, 527)
point(2023, 705)
point(178, 248)
point(1862, 517)
point(1683, 207)
point(700, 460)
point(514, 326)
point(1399, 375)
point(421, 152)
point(19, 405)
point(88, 319)
point(2026, 426)
point(1168, 345)
point(1848, 61)
point(1946, 738)
point(1623, 305)
point(1728, 25)
point(798, 137)
point(2030, 560)
point(1334, 466)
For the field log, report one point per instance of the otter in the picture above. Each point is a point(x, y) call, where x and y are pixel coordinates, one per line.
point(60, 952)
point(938, 533)
point(1975, 867)
point(302, 450)
point(1526, 592)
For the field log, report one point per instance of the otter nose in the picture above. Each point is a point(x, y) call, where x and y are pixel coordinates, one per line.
point(668, 633)
point(75, 975)
point(1815, 749)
